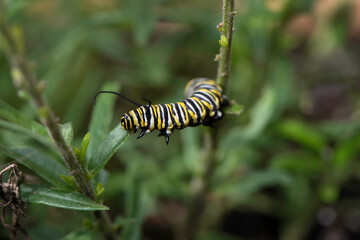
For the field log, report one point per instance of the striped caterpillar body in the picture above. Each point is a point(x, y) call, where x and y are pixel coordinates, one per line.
point(203, 104)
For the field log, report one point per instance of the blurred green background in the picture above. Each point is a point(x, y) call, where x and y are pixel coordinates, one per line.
point(289, 165)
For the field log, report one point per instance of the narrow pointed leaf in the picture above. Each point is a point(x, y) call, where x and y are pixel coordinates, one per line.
point(137, 202)
point(83, 148)
point(13, 127)
point(252, 183)
point(47, 168)
point(107, 148)
point(101, 117)
point(12, 115)
point(68, 132)
point(144, 21)
point(301, 162)
point(121, 221)
point(302, 133)
point(60, 199)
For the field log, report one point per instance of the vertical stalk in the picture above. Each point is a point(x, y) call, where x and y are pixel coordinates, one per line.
point(197, 204)
point(224, 67)
point(25, 80)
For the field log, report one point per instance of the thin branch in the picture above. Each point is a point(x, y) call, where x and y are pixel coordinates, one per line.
point(197, 204)
point(25, 80)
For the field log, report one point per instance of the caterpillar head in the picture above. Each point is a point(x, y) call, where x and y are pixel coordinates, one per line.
point(126, 122)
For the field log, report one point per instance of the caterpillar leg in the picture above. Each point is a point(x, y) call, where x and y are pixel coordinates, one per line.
point(211, 122)
point(218, 116)
point(166, 134)
point(142, 133)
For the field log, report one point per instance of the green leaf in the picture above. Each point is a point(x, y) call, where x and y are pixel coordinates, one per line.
point(223, 41)
point(234, 109)
point(121, 221)
point(14, 116)
point(68, 132)
point(14, 7)
point(340, 129)
point(276, 95)
point(99, 189)
point(88, 224)
point(346, 152)
point(107, 148)
point(329, 193)
point(47, 168)
point(299, 195)
point(298, 162)
point(81, 101)
point(76, 152)
point(27, 132)
point(345, 158)
point(82, 234)
point(107, 42)
point(70, 180)
point(113, 18)
point(301, 133)
point(101, 118)
point(261, 113)
point(60, 199)
point(252, 183)
point(143, 19)
point(190, 141)
point(84, 146)
point(137, 201)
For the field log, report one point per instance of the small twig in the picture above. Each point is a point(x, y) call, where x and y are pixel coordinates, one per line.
point(6, 169)
point(211, 137)
point(10, 199)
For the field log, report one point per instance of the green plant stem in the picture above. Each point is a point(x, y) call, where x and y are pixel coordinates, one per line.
point(197, 204)
point(27, 81)
point(224, 67)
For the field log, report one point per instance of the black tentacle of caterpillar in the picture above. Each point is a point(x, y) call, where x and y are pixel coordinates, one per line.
point(203, 104)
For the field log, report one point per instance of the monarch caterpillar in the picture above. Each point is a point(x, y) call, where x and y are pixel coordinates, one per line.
point(203, 104)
